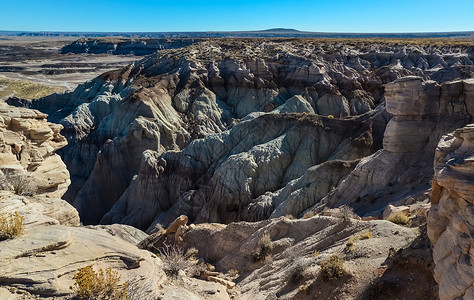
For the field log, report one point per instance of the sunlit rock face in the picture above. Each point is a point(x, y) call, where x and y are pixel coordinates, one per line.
point(451, 217)
point(402, 171)
point(28, 145)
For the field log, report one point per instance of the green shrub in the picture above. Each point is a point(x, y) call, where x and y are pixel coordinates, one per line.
point(104, 285)
point(332, 268)
point(11, 225)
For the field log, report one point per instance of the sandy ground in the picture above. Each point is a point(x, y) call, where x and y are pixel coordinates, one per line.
point(38, 59)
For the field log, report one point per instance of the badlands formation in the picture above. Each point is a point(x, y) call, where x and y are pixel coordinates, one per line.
point(266, 157)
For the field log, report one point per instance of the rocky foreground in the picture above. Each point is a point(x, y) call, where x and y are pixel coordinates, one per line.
point(278, 146)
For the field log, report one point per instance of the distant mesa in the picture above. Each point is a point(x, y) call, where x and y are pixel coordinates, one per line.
point(282, 30)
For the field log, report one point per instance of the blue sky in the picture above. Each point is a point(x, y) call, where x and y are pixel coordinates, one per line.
point(306, 15)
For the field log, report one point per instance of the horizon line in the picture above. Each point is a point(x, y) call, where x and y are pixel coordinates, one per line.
point(287, 30)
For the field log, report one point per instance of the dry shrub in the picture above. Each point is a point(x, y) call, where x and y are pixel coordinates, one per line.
point(192, 253)
point(308, 215)
point(3, 182)
point(332, 268)
point(263, 248)
point(296, 274)
point(20, 184)
point(175, 259)
point(104, 285)
point(399, 218)
point(11, 225)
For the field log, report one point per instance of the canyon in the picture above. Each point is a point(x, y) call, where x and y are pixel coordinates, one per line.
point(310, 145)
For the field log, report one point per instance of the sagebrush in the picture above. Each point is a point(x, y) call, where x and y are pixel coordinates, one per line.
point(332, 268)
point(11, 225)
point(100, 284)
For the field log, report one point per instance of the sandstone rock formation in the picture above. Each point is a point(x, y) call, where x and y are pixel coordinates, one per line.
point(118, 46)
point(451, 217)
point(27, 151)
point(401, 173)
point(43, 260)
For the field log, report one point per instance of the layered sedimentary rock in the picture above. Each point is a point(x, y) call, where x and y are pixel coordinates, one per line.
point(270, 165)
point(142, 46)
point(27, 151)
point(451, 217)
point(170, 98)
point(401, 172)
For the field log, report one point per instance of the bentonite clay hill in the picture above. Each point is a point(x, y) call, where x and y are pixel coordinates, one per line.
point(240, 95)
point(239, 137)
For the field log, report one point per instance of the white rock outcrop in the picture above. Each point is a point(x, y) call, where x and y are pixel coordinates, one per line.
point(451, 217)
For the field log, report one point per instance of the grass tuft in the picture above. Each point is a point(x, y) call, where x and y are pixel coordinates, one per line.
point(399, 218)
point(263, 248)
point(11, 225)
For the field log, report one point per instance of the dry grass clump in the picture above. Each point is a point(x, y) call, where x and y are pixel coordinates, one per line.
point(365, 235)
point(25, 89)
point(263, 248)
point(350, 245)
point(104, 285)
point(11, 225)
point(399, 218)
point(332, 268)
